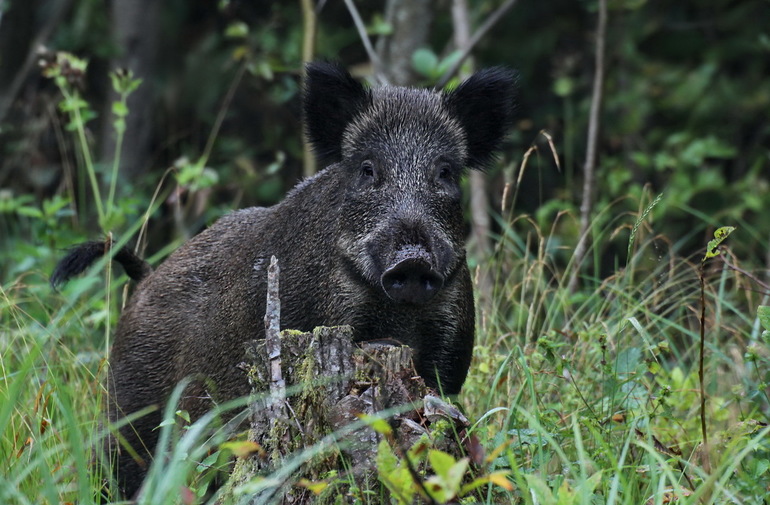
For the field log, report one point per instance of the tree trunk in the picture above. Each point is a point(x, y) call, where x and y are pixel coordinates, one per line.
point(481, 243)
point(135, 25)
point(411, 20)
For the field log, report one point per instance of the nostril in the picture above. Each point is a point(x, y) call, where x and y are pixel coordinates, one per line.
point(430, 282)
point(397, 280)
point(411, 281)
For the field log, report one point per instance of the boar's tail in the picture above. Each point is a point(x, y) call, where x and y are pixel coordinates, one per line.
point(81, 256)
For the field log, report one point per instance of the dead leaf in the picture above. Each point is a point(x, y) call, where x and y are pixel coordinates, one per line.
point(243, 448)
point(670, 495)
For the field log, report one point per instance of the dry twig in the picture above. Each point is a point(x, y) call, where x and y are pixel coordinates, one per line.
point(480, 33)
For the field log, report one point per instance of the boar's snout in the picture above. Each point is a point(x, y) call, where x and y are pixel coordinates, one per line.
point(411, 279)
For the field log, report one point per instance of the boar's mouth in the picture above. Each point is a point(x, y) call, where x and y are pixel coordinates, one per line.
point(410, 278)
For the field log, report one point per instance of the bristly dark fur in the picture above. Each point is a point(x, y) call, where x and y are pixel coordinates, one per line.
point(332, 99)
point(82, 256)
point(485, 107)
point(484, 104)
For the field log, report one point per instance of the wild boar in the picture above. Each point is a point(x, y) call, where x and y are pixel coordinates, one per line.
point(375, 240)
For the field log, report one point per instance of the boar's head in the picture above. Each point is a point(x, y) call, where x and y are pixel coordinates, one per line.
point(402, 153)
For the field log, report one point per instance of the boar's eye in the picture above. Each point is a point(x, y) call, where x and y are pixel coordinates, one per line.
point(367, 168)
point(444, 170)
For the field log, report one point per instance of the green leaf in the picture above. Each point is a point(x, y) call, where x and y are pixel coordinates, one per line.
point(378, 424)
point(394, 476)
point(315, 487)
point(528, 436)
point(719, 236)
point(207, 178)
point(262, 69)
point(208, 462)
point(54, 205)
point(447, 482)
point(386, 460)
point(628, 360)
point(437, 489)
point(539, 489)
point(763, 313)
point(425, 62)
point(696, 152)
point(30, 212)
point(653, 367)
point(132, 85)
point(563, 86)
point(72, 103)
point(119, 109)
point(237, 30)
point(448, 62)
point(123, 82)
point(763, 465)
point(10, 204)
point(499, 478)
point(115, 78)
point(275, 166)
point(454, 477)
point(441, 462)
point(119, 125)
point(566, 495)
point(379, 26)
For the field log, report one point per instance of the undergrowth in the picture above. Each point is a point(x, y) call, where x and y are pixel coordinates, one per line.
point(584, 397)
point(594, 394)
point(576, 398)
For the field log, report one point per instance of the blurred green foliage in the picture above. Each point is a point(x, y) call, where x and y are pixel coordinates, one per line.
point(686, 93)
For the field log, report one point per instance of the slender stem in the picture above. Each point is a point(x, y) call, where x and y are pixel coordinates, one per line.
point(701, 356)
point(221, 115)
point(701, 374)
point(365, 40)
point(589, 181)
point(309, 30)
point(114, 177)
point(86, 151)
point(108, 278)
point(116, 161)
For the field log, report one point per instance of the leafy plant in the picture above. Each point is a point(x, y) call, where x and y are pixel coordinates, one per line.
point(67, 72)
point(451, 478)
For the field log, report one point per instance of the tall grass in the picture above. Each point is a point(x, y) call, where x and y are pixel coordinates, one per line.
point(594, 394)
point(49, 403)
point(582, 398)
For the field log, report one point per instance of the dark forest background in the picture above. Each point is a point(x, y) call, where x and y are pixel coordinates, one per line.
point(683, 109)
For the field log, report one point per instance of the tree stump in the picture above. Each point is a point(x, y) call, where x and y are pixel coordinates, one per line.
point(310, 392)
point(315, 431)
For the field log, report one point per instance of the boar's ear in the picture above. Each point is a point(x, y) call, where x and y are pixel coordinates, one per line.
point(332, 100)
point(485, 106)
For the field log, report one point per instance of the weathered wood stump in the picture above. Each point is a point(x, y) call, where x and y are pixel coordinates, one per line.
point(315, 430)
point(309, 393)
